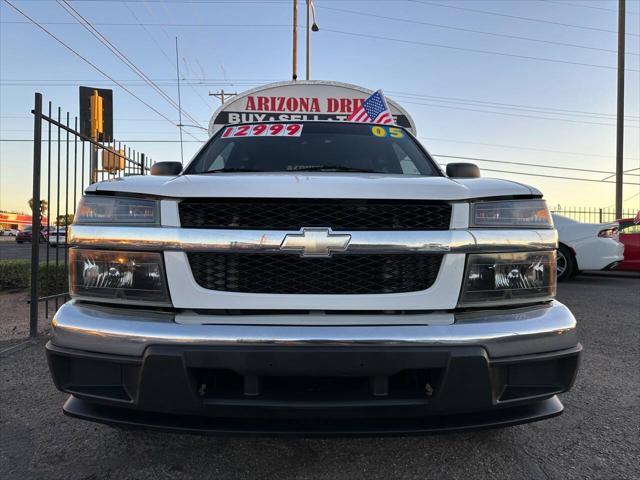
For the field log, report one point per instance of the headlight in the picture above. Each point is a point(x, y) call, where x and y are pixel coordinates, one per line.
point(611, 232)
point(100, 209)
point(511, 213)
point(508, 278)
point(118, 276)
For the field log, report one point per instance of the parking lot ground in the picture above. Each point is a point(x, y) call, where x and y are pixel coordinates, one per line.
point(596, 438)
point(11, 250)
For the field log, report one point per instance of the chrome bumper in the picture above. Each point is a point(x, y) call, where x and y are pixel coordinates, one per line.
point(503, 333)
point(267, 241)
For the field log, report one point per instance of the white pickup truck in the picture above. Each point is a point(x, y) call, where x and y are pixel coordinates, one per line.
point(313, 278)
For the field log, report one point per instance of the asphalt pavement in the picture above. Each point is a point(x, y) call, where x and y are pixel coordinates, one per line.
point(596, 438)
point(11, 250)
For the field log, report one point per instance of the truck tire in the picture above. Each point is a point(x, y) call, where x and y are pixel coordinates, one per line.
point(566, 264)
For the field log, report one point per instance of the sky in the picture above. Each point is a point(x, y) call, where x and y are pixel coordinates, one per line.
point(524, 81)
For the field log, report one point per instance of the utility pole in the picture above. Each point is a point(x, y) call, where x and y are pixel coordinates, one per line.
point(620, 109)
point(294, 75)
point(221, 94)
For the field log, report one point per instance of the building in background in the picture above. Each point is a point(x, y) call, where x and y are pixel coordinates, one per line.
point(17, 221)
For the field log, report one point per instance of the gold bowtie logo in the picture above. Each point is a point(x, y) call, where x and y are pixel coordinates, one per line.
point(315, 242)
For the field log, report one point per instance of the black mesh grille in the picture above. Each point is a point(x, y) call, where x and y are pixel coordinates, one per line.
point(292, 214)
point(340, 274)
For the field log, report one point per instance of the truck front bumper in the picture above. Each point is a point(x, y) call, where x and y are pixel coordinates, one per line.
point(140, 368)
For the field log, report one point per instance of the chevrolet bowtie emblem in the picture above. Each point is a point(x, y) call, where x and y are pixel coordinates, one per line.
point(315, 242)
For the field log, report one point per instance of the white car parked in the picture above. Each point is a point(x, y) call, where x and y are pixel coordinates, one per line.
point(586, 246)
point(57, 238)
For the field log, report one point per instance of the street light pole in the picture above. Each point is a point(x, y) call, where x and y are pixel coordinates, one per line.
point(620, 109)
point(308, 40)
point(295, 40)
point(311, 27)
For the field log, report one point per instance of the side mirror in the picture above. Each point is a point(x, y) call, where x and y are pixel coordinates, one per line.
point(463, 170)
point(166, 168)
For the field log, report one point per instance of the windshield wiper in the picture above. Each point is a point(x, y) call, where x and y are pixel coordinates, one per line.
point(332, 168)
point(223, 170)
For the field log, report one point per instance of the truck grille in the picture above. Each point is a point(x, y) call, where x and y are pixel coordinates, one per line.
point(292, 214)
point(292, 274)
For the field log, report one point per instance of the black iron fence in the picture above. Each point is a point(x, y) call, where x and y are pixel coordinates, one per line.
point(64, 163)
point(592, 215)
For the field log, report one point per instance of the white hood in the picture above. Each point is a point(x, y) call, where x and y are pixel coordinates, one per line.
point(315, 185)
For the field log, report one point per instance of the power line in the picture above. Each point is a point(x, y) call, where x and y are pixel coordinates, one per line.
point(513, 106)
point(521, 147)
point(475, 50)
point(481, 32)
point(518, 17)
point(552, 176)
point(445, 100)
point(438, 105)
point(625, 200)
point(558, 167)
point(133, 83)
point(436, 155)
point(570, 4)
point(248, 2)
point(102, 39)
point(498, 106)
point(164, 53)
point(439, 98)
point(459, 157)
point(285, 25)
point(144, 27)
point(439, 139)
point(624, 172)
point(157, 24)
point(89, 62)
point(11, 140)
point(435, 45)
point(137, 80)
point(522, 115)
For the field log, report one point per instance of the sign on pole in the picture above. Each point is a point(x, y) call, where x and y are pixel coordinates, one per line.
point(300, 101)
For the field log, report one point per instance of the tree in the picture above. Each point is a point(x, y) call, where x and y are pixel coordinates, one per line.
point(44, 206)
point(64, 220)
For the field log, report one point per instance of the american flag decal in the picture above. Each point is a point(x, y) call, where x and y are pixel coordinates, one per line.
point(373, 110)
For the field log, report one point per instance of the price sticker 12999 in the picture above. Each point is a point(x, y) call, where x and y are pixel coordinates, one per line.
point(263, 130)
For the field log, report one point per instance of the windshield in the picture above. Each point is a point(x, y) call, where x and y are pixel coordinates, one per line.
point(313, 146)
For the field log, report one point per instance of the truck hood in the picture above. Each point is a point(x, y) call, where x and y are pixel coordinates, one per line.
point(314, 185)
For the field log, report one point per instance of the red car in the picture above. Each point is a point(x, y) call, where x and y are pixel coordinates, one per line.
point(630, 236)
point(25, 235)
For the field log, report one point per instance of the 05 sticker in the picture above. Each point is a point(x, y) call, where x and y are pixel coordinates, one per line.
point(264, 130)
point(382, 132)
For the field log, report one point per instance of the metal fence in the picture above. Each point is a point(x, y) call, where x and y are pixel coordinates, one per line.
point(592, 215)
point(62, 168)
